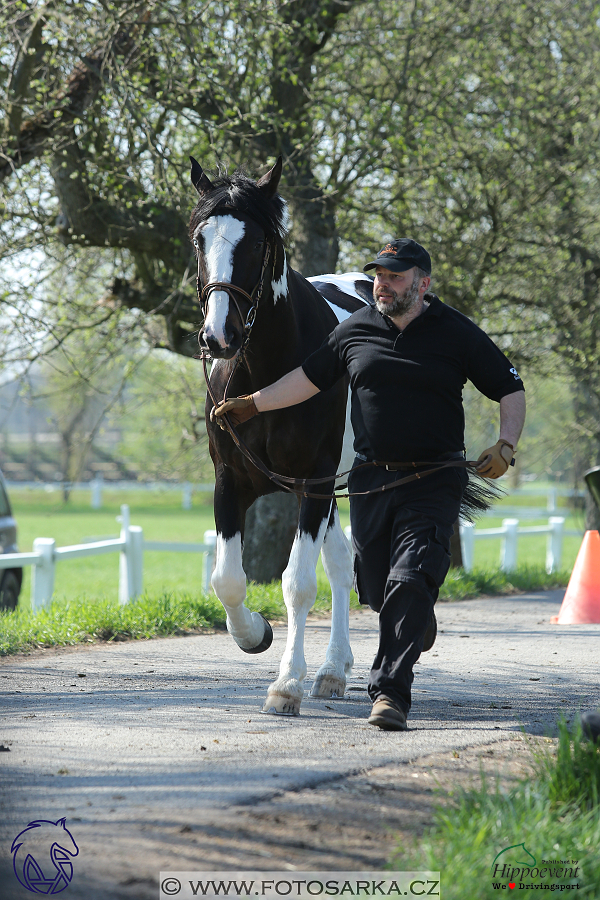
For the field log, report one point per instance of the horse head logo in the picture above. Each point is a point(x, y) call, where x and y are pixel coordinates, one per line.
point(528, 863)
point(42, 856)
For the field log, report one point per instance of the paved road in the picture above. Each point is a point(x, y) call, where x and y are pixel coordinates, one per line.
point(131, 741)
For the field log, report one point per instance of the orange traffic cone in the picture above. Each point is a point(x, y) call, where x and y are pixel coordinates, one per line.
point(581, 603)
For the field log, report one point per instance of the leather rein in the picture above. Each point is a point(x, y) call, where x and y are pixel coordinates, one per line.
point(286, 483)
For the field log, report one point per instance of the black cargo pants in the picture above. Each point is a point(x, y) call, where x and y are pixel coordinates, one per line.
point(401, 543)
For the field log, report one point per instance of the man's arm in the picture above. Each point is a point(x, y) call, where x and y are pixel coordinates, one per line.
point(495, 460)
point(293, 388)
point(512, 417)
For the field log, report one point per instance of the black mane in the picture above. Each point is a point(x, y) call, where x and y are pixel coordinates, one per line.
point(240, 193)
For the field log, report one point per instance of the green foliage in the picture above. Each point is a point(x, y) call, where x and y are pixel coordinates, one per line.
point(80, 621)
point(161, 420)
point(461, 585)
point(548, 813)
point(571, 775)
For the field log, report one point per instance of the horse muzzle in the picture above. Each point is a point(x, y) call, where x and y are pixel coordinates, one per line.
point(216, 349)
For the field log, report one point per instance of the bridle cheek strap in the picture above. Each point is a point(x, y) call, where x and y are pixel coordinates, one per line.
point(231, 290)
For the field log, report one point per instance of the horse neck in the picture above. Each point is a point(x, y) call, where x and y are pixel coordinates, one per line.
point(275, 344)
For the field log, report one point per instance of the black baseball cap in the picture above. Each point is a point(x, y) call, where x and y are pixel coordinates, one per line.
point(400, 255)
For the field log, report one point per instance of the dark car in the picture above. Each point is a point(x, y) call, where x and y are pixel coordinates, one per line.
point(10, 579)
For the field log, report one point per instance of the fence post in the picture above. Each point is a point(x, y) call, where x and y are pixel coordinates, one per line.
point(136, 546)
point(555, 539)
point(42, 575)
point(467, 540)
point(186, 497)
point(210, 539)
point(125, 562)
point(96, 486)
point(508, 553)
point(551, 500)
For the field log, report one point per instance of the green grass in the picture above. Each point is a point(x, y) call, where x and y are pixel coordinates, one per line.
point(461, 585)
point(159, 513)
point(555, 814)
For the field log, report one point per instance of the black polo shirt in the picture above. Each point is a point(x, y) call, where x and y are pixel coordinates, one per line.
point(407, 385)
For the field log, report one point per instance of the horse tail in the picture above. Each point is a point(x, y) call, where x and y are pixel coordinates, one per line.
point(479, 495)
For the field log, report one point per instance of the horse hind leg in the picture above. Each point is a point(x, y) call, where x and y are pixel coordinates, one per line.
point(250, 630)
point(330, 680)
point(299, 584)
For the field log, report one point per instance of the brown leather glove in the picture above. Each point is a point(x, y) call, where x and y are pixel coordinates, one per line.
point(238, 409)
point(494, 461)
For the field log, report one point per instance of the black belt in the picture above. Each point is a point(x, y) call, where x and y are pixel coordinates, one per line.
point(408, 466)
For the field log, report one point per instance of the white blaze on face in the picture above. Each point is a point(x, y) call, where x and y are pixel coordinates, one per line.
point(221, 235)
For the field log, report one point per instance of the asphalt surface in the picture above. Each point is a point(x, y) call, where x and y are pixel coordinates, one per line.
point(129, 738)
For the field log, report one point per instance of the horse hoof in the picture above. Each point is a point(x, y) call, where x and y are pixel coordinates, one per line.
point(267, 638)
point(330, 687)
point(281, 705)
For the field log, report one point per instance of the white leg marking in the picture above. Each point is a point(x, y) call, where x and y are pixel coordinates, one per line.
point(220, 234)
point(299, 583)
point(229, 584)
point(330, 680)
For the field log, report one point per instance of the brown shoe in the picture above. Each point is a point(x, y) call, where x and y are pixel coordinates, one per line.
point(431, 633)
point(386, 715)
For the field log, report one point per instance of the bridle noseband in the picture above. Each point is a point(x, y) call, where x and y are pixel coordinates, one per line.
point(231, 290)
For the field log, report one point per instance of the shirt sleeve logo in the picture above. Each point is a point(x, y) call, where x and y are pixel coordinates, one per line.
point(516, 374)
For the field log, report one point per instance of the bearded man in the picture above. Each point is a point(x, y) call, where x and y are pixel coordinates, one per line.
point(408, 358)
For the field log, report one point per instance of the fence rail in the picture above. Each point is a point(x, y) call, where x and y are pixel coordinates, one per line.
point(510, 532)
point(130, 545)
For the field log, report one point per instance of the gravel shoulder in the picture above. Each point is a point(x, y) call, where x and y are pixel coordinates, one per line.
point(158, 756)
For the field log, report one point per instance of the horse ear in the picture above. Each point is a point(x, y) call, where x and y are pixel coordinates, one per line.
point(199, 179)
point(270, 182)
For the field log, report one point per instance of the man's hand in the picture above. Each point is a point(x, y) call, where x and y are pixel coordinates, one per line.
point(494, 461)
point(238, 409)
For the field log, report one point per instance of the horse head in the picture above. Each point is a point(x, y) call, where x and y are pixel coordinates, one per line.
point(237, 229)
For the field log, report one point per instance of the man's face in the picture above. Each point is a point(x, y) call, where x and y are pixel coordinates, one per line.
point(396, 293)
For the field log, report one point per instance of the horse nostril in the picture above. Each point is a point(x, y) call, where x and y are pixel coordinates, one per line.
point(230, 335)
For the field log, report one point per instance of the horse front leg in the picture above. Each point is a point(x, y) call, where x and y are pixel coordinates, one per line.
point(330, 680)
point(250, 630)
point(299, 584)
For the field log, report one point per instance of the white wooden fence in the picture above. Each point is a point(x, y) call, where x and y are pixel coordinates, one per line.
point(510, 532)
point(130, 545)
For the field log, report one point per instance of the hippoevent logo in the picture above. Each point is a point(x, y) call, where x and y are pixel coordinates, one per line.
point(519, 870)
point(42, 856)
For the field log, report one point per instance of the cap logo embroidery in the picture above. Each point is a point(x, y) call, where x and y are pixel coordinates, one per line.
point(389, 249)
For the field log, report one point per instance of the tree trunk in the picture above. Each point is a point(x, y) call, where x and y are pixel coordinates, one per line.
point(314, 239)
point(271, 525)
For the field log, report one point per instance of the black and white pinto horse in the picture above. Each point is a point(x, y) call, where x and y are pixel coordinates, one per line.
point(235, 223)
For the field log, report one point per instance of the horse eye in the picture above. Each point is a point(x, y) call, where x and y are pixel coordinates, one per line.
point(195, 243)
point(258, 245)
